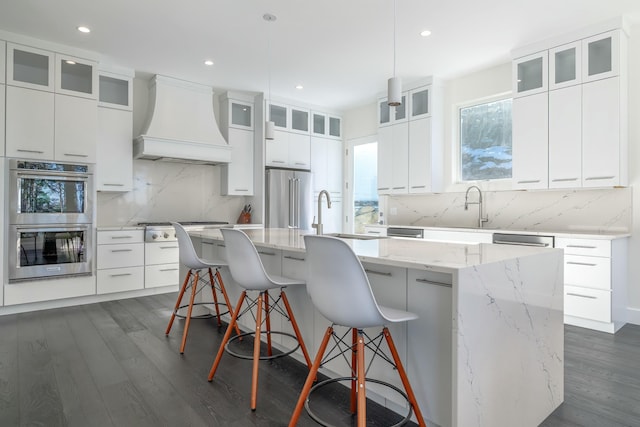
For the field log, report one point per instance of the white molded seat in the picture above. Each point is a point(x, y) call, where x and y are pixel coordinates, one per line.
point(340, 290)
point(248, 271)
point(189, 258)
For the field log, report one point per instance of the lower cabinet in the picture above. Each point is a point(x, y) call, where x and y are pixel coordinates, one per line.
point(161, 261)
point(120, 261)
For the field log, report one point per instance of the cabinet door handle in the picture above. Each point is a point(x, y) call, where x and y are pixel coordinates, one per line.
point(300, 163)
point(373, 232)
point(121, 237)
point(383, 188)
point(582, 246)
point(418, 186)
point(432, 282)
point(564, 179)
point(240, 189)
point(221, 245)
point(168, 269)
point(293, 258)
point(266, 253)
point(108, 184)
point(277, 161)
point(121, 250)
point(581, 295)
point(593, 178)
point(168, 247)
point(208, 243)
point(75, 155)
point(379, 273)
point(586, 264)
point(399, 188)
point(120, 275)
point(529, 181)
point(29, 151)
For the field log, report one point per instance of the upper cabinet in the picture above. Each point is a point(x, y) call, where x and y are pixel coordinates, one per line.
point(3, 55)
point(388, 115)
point(530, 74)
point(326, 125)
point(236, 125)
point(289, 118)
point(115, 90)
point(291, 147)
point(565, 65)
point(601, 56)
point(76, 76)
point(29, 67)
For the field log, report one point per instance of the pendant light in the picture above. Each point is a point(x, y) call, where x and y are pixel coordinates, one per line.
point(269, 125)
point(394, 86)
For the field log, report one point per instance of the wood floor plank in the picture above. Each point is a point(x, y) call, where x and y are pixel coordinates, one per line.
point(127, 407)
point(9, 392)
point(111, 332)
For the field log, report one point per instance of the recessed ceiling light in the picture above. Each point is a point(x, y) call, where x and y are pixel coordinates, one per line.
point(425, 33)
point(299, 87)
point(83, 29)
point(208, 62)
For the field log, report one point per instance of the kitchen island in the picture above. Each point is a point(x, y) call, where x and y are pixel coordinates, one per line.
point(487, 349)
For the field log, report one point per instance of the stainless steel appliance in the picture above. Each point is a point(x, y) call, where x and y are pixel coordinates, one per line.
point(164, 231)
point(413, 233)
point(50, 193)
point(524, 240)
point(48, 251)
point(289, 199)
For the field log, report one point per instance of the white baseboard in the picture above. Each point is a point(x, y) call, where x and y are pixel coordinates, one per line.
point(633, 315)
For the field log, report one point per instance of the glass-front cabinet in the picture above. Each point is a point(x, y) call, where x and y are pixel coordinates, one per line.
point(335, 127)
point(30, 67)
point(299, 120)
point(601, 56)
point(389, 115)
point(420, 100)
point(241, 114)
point(76, 76)
point(531, 74)
point(278, 115)
point(115, 91)
point(319, 124)
point(565, 65)
point(326, 125)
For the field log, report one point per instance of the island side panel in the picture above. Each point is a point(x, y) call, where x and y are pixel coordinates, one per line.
point(509, 341)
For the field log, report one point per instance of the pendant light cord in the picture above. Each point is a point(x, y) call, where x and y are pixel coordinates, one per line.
point(394, 38)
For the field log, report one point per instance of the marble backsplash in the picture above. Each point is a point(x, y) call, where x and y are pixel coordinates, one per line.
point(599, 210)
point(164, 191)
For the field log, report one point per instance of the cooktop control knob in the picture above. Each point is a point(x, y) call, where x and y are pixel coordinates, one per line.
point(154, 236)
point(165, 235)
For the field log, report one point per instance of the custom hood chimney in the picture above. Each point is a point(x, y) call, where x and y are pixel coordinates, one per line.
point(181, 125)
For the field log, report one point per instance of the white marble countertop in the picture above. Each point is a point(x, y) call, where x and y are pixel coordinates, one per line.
point(584, 234)
point(407, 253)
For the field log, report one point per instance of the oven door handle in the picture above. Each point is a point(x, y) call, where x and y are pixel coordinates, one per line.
point(52, 175)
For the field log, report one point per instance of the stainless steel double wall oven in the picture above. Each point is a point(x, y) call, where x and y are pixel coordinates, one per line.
point(50, 219)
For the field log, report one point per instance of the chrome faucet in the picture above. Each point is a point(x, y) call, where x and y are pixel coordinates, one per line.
point(318, 225)
point(481, 219)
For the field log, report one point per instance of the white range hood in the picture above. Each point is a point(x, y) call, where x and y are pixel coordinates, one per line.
point(181, 125)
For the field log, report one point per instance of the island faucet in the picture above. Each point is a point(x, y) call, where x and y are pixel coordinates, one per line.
point(318, 225)
point(481, 219)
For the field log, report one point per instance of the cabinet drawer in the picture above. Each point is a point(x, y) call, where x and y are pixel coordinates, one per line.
point(161, 253)
point(122, 255)
point(588, 303)
point(590, 247)
point(593, 272)
point(161, 275)
point(120, 279)
point(120, 236)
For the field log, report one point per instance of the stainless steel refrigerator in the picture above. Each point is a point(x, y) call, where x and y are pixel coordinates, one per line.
point(289, 199)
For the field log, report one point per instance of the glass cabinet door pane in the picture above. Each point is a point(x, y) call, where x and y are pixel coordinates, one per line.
point(30, 67)
point(318, 124)
point(600, 56)
point(300, 120)
point(240, 114)
point(334, 126)
point(114, 91)
point(565, 63)
point(76, 77)
point(278, 115)
point(401, 110)
point(384, 112)
point(420, 103)
point(530, 74)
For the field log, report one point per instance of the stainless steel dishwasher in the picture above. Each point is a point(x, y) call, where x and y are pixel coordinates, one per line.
point(524, 240)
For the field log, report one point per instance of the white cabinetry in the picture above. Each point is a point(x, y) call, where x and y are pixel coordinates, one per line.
point(327, 125)
point(570, 121)
point(24, 108)
point(76, 76)
point(75, 127)
point(393, 156)
point(120, 261)
point(595, 277)
point(3, 56)
point(29, 67)
point(289, 150)
point(2, 118)
point(161, 264)
point(236, 125)
point(326, 166)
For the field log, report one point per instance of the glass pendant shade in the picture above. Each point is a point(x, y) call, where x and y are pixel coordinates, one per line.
point(269, 130)
point(394, 94)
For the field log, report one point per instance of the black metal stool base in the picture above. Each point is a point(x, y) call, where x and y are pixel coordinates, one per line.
point(250, 356)
point(202, 316)
point(321, 384)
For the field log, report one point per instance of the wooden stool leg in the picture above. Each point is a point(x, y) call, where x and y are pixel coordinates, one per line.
point(256, 353)
point(267, 323)
point(175, 309)
point(311, 377)
point(294, 324)
point(194, 288)
point(354, 367)
point(362, 396)
point(215, 296)
point(227, 335)
point(403, 377)
point(226, 297)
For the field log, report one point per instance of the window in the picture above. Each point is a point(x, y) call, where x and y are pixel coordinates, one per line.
point(485, 141)
point(363, 167)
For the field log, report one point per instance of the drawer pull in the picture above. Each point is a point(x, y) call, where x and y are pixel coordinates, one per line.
point(582, 246)
point(593, 178)
point(106, 184)
point(121, 237)
point(293, 258)
point(241, 189)
point(168, 269)
point(168, 247)
point(379, 273)
point(120, 275)
point(431, 282)
point(121, 250)
point(581, 296)
point(418, 186)
point(529, 181)
point(564, 179)
point(373, 232)
point(586, 264)
point(267, 253)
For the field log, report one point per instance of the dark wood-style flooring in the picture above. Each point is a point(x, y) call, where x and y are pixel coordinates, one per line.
point(110, 364)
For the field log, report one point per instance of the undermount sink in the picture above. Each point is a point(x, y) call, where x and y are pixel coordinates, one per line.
point(355, 236)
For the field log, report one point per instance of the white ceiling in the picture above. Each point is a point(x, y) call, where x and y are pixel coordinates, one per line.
point(340, 50)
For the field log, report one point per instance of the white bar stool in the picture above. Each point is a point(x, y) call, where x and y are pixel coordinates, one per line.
point(248, 271)
point(340, 290)
point(195, 264)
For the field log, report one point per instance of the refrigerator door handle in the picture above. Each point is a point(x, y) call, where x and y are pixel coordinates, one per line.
point(297, 202)
point(291, 219)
